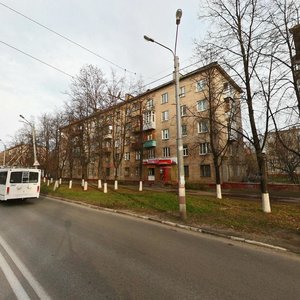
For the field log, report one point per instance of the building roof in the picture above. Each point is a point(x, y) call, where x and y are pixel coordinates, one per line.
point(130, 98)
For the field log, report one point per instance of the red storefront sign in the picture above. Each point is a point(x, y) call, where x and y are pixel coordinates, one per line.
point(159, 162)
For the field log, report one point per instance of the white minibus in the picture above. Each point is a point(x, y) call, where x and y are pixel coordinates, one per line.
point(19, 183)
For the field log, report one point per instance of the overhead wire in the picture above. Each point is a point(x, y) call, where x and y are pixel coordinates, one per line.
point(37, 59)
point(67, 39)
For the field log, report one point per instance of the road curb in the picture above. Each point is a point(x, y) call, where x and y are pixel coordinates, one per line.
point(172, 224)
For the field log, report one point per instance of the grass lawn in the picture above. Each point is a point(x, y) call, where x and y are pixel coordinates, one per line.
point(228, 215)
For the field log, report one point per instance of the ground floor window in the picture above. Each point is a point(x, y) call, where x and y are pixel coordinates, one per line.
point(205, 171)
point(137, 171)
point(126, 171)
point(151, 172)
point(186, 171)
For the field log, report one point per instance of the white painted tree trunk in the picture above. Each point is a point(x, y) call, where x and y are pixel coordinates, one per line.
point(70, 184)
point(266, 207)
point(105, 187)
point(48, 182)
point(55, 185)
point(44, 179)
point(59, 181)
point(51, 180)
point(219, 191)
point(99, 184)
point(141, 186)
point(82, 182)
point(85, 186)
point(116, 185)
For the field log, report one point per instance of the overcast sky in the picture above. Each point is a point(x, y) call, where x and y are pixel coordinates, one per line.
point(113, 29)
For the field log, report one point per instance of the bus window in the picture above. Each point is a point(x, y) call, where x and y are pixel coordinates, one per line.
point(15, 177)
point(25, 178)
point(3, 176)
point(33, 177)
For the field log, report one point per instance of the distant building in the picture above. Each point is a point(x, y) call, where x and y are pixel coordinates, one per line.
point(140, 133)
point(281, 161)
point(20, 155)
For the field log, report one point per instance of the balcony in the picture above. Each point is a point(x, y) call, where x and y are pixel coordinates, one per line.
point(149, 144)
point(108, 136)
point(149, 125)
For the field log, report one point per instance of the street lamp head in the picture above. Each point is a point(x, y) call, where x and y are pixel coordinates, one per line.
point(148, 39)
point(178, 16)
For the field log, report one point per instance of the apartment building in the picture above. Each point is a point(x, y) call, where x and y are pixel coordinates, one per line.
point(136, 138)
point(282, 162)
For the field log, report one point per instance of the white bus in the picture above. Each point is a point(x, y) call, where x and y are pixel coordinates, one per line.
point(19, 183)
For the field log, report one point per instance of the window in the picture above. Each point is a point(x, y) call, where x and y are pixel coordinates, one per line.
point(185, 150)
point(165, 134)
point(3, 176)
point(200, 85)
point(202, 105)
point(227, 90)
point(149, 116)
point(137, 171)
point(165, 115)
point(149, 137)
point(33, 177)
point(203, 126)
point(135, 106)
point(204, 148)
point(205, 170)
point(183, 110)
point(127, 171)
point(166, 152)
point(25, 178)
point(150, 104)
point(151, 172)
point(164, 98)
point(137, 155)
point(151, 153)
point(15, 177)
point(127, 111)
point(184, 130)
point(186, 171)
point(127, 156)
point(182, 91)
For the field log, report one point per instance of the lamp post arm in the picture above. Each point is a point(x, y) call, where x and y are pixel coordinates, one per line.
point(165, 47)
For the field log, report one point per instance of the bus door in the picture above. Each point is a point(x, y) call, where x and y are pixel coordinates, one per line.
point(17, 188)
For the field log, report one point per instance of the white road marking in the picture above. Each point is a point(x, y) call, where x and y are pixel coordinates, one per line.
point(13, 280)
point(26, 273)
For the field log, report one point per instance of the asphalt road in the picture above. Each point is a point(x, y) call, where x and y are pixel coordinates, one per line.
point(51, 249)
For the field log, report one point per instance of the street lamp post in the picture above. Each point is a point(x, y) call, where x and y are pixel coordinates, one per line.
point(4, 153)
point(181, 180)
point(36, 163)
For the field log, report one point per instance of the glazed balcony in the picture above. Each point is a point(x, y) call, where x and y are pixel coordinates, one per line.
point(149, 144)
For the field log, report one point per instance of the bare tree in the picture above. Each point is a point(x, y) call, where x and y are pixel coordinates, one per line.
point(240, 39)
point(218, 118)
point(279, 159)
